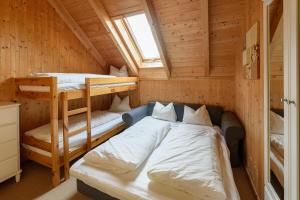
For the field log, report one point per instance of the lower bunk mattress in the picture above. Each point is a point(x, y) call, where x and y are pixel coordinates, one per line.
point(102, 122)
point(136, 185)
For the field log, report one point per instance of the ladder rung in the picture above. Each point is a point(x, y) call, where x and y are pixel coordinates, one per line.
point(77, 111)
point(70, 134)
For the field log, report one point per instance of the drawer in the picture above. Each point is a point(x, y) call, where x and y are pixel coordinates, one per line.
point(8, 149)
point(8, 115)
point(8, 132)
point(9, 168)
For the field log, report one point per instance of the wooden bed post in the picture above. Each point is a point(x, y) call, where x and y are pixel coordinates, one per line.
point(54, 132)
point(65, 109)
point(88, 113)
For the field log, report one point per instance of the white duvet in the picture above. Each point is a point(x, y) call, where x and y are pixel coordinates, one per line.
point(128, 150)
point(188, 160)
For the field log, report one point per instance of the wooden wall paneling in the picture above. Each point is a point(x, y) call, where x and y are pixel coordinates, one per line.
point(250, 105)
point(102, 14)
point(152, 74)
point(204, 91)
point(33, 38)
point(276, 65)
point(225, 27)
point(185, 31)
point(63, 13)
point(276, 11)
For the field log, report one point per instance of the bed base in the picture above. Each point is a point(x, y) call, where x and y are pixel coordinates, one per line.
point(92, 192)
point(53, 97)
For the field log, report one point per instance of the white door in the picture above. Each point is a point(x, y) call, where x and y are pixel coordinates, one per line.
point(291, 92)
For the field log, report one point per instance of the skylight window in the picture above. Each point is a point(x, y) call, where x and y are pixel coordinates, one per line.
point(141, 31)
point(137, 34)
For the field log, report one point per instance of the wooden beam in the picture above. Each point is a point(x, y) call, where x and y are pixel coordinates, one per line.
point(275, 19)
point(153, 21)
point(102, 14)
point(76, 29)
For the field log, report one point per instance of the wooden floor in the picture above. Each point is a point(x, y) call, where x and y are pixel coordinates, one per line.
point(36, 181)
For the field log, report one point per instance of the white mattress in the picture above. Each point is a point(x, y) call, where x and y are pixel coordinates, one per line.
point(68, 86)
point(69, 81)
point(137, 185)
point(106, 124)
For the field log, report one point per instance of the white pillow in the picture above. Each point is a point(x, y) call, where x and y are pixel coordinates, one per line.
point(164, 112)
point(276, 123)
point(119, 105)
point(122, 72)
point(199, 117)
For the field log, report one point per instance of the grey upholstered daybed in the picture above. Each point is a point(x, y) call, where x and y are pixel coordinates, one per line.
point(87, 177)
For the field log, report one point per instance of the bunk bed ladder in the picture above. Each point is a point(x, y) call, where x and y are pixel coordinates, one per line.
point(66, 113)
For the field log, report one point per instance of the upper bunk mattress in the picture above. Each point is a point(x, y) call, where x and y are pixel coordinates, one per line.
point(136, 185)
point(69, 81)
point(102, 121)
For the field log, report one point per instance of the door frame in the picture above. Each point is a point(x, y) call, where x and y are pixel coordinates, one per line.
point(291, 86)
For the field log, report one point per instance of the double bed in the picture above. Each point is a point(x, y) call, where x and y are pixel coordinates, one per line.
point(100, 183)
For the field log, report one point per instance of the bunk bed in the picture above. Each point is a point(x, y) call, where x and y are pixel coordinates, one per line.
point(66, 87)
point(277, 145)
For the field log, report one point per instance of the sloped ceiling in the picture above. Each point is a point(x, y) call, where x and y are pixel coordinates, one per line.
point(87, 19)
point(183, 31)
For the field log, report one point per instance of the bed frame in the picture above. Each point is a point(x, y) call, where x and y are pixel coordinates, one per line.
point(53, 97)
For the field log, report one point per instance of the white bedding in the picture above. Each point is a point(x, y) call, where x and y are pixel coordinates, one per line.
point(70, 77)
point(277, 141)
point(102, 121)
point(128, 150)
point(199, 173)
point(136, 185)
point(69, 81)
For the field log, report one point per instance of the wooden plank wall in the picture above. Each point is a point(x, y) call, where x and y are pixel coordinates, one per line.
point(34, 39)
point(184, 29)
point(249, 104)
point(204, 91)
point(225, 31)
point(276, 65)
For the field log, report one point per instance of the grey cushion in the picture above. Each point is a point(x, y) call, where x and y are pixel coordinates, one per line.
point(215, 112)
point(135, 115)
point(234, 134)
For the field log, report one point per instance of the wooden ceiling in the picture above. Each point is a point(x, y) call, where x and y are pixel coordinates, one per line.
point(88, 21)
point(199, 39)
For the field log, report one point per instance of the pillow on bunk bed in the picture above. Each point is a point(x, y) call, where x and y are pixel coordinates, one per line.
point(166, 113)
point(198, 117)
point(120, 105)
point(276, 123)
point(122, 72)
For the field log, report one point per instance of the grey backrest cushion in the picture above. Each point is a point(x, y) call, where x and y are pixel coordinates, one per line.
point(215, 112)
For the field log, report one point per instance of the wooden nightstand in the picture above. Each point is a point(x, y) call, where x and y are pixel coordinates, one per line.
point(9, 141)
